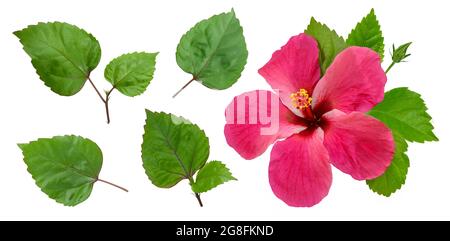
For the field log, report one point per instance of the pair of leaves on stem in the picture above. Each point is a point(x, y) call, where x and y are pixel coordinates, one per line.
point(64, 57)
point(213, 51)
point(174, 149)
point(402, 110)
point(367, 33)
point(67, 167)
point(405, 113)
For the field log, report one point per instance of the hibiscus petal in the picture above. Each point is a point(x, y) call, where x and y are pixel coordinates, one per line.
point(294, 66)
point(354, 82)
point(253, 122)
point(299, 170)
point(358, 144)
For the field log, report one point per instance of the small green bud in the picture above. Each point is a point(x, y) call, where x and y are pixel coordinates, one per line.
point(400, 53)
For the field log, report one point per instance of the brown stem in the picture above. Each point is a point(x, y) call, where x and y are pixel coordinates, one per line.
point(108, 120)
point(112, 184)
point(197, 195)
point(107, 104)
point(105, 100)
point(182, 88)
point(96, 90)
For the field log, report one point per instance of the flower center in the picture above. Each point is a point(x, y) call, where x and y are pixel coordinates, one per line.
point(301, 99)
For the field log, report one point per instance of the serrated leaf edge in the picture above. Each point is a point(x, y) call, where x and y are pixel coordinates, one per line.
point(190, 175)
point(21, 145)
point(314, 21)
point(231, 174)
point(16, 33)
point(125, 55)
point(401, 184)
point(371, 13)
point(233, 14)
point(432, 137)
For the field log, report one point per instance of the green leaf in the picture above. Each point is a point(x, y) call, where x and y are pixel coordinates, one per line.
point(330, 43)
point(404, 112)
point(173, 149)
point(64, 167)
point(62, 54)
point(131, 73)
point(367, 33)
point(395, 175)
point(214, 51)
point(210, 176)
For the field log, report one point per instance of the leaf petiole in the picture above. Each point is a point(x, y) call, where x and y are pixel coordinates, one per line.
point(107, 103)
point(197, 195)
point(184, 86)
point(112, 184)
point(95, 88)
point(105, 100)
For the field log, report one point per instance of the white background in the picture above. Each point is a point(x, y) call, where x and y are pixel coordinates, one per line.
point(29, 109)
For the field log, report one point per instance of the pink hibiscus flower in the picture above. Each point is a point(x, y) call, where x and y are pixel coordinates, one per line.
point(322, 121)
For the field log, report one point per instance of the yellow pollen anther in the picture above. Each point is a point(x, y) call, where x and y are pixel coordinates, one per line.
point(301, 99)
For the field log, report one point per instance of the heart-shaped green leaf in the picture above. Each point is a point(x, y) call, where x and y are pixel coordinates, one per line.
point(330, 43)
point(367, 33)
point(404, 112)
point(213, 174)
point(173, 149)
point(131, 73)
point(64, 167)
point(214, 51)
point(62, 54)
